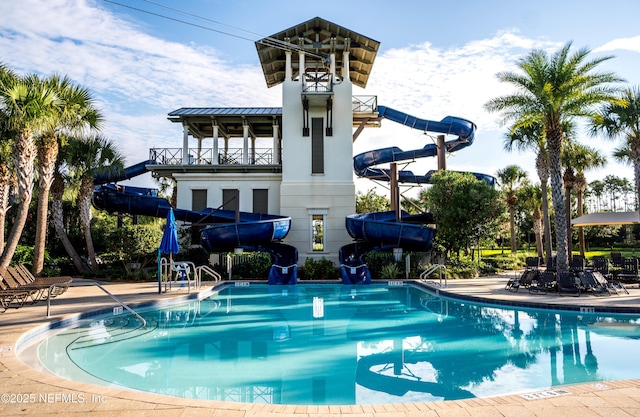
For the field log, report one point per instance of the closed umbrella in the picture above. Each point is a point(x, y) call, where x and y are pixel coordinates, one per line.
point(168, 245)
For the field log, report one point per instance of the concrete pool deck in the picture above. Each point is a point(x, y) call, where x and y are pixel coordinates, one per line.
point(27, 391)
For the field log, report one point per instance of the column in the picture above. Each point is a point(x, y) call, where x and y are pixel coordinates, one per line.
point(345, 68)
point(288, 76)
point(215, 159)
point(185, 145)
point(276, 142)
point(245, 142)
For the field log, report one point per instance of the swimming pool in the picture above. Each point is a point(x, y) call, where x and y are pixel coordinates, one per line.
point(333, 344)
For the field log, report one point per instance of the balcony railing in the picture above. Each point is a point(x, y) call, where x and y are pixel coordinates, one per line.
point(233, 156)
point(364, 104)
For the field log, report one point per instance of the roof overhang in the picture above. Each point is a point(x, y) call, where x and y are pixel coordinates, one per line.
point(230, 120)
point(318, 38)
point(607, 219)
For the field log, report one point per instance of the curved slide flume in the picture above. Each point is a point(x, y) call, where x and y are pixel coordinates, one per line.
point(221, 233)
point(381, 231)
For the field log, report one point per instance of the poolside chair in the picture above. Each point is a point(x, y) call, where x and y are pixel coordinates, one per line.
point(601, 264)
point(546, 282)
point(569, 283)
point(577, 264)
point(630, 271)
point(614, 286)
point(592, 284)
point(528, 276)
point(617, 259)
point(12, 297)
point(22, 278)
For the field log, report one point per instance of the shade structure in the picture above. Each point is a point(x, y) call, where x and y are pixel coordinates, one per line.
point(168, 245)
point(607, 218)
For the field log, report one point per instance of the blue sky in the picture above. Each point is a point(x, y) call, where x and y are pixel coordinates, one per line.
point(435, 59)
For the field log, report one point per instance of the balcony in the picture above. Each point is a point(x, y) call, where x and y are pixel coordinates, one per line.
point(169, 160)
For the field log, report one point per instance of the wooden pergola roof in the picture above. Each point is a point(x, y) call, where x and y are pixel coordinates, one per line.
point(317, 38)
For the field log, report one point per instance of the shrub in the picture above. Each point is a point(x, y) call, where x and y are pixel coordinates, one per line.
point(321, 269)
point(255, 266)
point(390, 271)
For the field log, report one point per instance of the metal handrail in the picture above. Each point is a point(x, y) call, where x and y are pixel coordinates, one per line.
point(432, 269)
point(208, 270)
point(85, 284)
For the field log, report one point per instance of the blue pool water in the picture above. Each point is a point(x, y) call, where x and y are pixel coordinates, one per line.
point(334, 344)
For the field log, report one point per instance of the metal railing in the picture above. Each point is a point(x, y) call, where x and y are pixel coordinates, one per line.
point(85, 284)
point(233, 156)
point(364, 104)
point(432, 269)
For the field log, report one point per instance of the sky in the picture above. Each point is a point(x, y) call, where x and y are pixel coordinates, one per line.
point(436, 58)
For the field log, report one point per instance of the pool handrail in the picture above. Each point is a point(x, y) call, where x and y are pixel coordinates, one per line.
point(87, 283)
point(207, 270)
point(431, 269)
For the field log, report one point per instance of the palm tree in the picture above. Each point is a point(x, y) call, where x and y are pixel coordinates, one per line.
point(27, 103)
point(77, 113)
point(530, 197)
point(88, 157)
point(553, 90)
point(623, 119)
point(511, 178)
point(7, 175)
point(579, 158)
point(532, 138)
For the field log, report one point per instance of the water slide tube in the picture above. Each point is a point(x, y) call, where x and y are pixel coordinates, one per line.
point(222, 233)
point(381, 231)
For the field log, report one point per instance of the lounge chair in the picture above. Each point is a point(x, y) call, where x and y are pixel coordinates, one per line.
point(20, 277)
point(630, 271)
point(528, 276)
point(577, 264)
point(12, 297)
point(569, 283)
point(592, 284)
point(546, 282)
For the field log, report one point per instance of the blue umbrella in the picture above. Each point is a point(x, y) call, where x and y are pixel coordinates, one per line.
point(168, 245)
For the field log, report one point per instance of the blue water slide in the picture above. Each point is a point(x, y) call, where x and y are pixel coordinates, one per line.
point(382, 231)
point(222, 231)
point(115, 174)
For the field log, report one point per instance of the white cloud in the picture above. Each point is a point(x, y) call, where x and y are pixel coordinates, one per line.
point(629, 44)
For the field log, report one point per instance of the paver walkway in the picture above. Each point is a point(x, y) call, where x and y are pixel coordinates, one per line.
point(26, 391)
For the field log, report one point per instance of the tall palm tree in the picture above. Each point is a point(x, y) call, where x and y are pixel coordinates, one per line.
point(530, 197)
point(27, 103)
point(577, 159)
point(623, 120)
point(77, 113)
point(531, 137)
point(510, 179)
point(7, 175)
point(552, 90)
point(87, 157)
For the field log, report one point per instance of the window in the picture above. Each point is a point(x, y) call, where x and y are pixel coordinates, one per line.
point(230, 199)
point(261, 201)
point(317, 235)
point(198, 203)
point(317, 145)
point(198, 200)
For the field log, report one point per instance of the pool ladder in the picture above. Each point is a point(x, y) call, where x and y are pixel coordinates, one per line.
point(433, 268)
point(87, 283)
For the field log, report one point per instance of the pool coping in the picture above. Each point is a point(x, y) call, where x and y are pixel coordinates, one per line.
point(610, 397)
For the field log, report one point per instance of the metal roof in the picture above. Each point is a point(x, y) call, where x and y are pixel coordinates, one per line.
point(318, 38)
point(230, 120)
point(226, 111)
